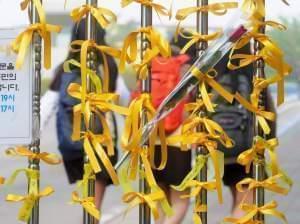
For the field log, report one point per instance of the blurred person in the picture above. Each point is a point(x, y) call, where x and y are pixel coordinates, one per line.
point(56, 99)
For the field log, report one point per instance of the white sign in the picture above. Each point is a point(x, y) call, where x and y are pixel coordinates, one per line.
point(15, 94)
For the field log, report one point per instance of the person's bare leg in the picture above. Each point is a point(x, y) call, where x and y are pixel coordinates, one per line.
point(99, 192)
point(240, 197)
point(162, 216)
point(179, 205)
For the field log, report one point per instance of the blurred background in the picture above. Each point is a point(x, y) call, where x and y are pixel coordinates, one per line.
point(55, 210)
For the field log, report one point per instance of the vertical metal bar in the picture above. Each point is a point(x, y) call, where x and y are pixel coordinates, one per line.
point(146, 20)
point(36, 49)
point(202, 28)
point(90, 34)
point(259, 163)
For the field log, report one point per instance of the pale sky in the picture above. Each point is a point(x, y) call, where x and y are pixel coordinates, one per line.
point(11, 14)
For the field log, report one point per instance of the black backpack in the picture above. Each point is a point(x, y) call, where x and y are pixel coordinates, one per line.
point(64, 120)
point(236, 121)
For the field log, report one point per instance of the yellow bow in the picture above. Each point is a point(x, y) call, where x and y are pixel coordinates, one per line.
point(87, 203)
point(195, 37)
point(213, 129)
point(22, 42)
point(269, 184)
point(258, 148)
point(202, 139)
point(103, 16)
point(133, 132)
point(215, 8)
point(159, 9)
point(158, 46)
point(260, 113)
point(93, 144)
point(270, 53)
point(252, 210)
point(49, 158)
point(208, 79)
point(29, 202)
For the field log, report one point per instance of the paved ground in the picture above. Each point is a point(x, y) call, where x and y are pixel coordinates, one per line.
point(56, 210)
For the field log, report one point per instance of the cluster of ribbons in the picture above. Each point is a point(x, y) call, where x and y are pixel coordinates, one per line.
point(272, 55)
point(33, 176)
point(207, 137)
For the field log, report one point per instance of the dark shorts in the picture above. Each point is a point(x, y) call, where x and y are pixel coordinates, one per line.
point(177, 167)
point(234, 173)
point(74, 169)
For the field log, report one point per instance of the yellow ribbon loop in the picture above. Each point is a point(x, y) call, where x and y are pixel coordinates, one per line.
point(22, 42)
point(135, 198)
point(252, 210)
point(84, 47)
point(195, 37)
point(213, 129)
point(208, 79)
point(129, 54)
point(202, 139)
point(30, 174)
point(159, 9)
point(198, 186)
point(37, 3)
point(215, 8)
point(92, 146)
point(270, 184)
point(87, 175)
point(2, 180)
point(258, 148)
point(87, 203)
point(49, 158)
point(29, 202)
point(103, 16)
point(133, 132)
point(262, 115)
point(271, 54)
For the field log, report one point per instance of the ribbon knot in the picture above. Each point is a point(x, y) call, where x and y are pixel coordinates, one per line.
point(29, 202)
point(258, 148)
point(48, 158)
point(23, 40)
point(252, 210)
point(208, 79)
point(87, 203)
point(103, 16)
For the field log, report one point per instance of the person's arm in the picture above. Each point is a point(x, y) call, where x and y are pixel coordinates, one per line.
point(49, 106)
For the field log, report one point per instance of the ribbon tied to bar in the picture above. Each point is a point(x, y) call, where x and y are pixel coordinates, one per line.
point(103, 16)
point(252, 210)
point(49, 158)
point(258, 148)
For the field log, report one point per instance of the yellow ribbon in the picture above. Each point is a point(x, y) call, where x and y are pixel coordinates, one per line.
point(29, 202)
point(215, 8)
point(159, 9)
point(151, 199)
point(258, 148)
point(22, 42)
point(103, 16)
point(208, 79)
point(49, 158)
point(270, 53)
point(198, 208)
point(252, 210)
point(87, 175)
point(93, 144)
point(2, 180)
point(202, 139)
point(130, 139)
point(261, 114)
point(38, 5)
point(195, 37)
point(269, 184)
point(87, 203)
point(129, 54)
